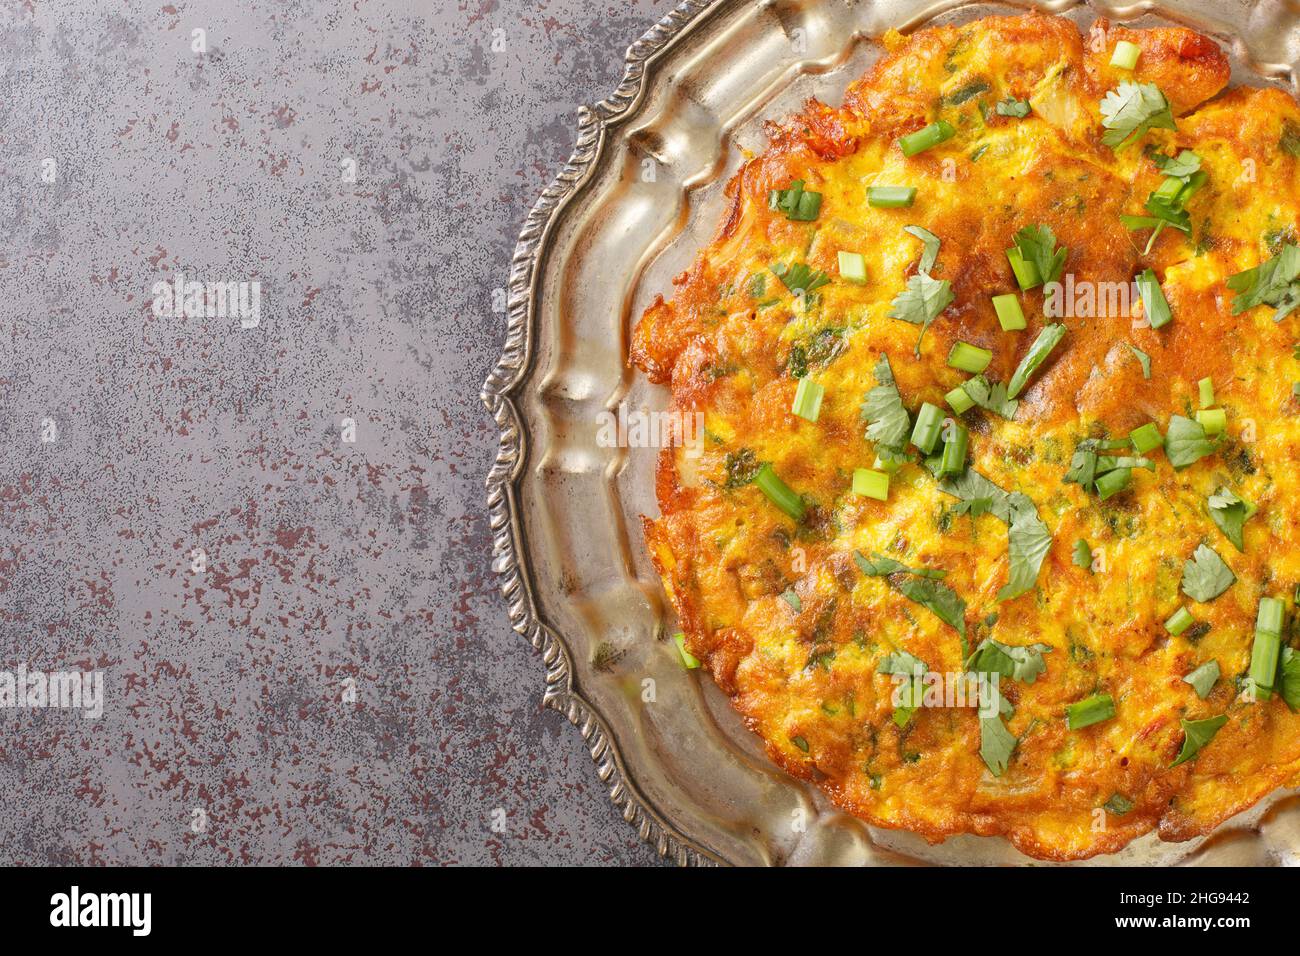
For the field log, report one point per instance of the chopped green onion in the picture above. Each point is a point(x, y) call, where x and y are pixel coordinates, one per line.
point(853, 267)
point(870, 484)
point(929, 422)
point(1146, 438)
point(1206, 386)
point(1180, 621)
point(797, 204)
point(808, 399)
point(1118, 804)
point(1263, 663)
point(1113, 482)
point(890, 463)
point(959, 400)
point(969, 358)
point(1269, 618)
point(924, 139)
point(1213, 420)
point(1026, 272)
point(688, 659)
point(1268, 645)
point(1010, 315)
point(891, 197)
point(1082, 555)
point(1126, 55)
point(779, 493)
point(954, 452)
point(1154, 302)
point(1091, 711)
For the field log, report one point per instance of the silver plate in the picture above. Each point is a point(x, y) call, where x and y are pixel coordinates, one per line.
point(641, 194)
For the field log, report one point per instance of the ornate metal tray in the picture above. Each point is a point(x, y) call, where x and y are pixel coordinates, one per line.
point(641, 193)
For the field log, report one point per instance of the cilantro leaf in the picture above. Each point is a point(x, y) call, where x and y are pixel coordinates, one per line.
point(1037, 244)
point(799, 277)
point(888, 423)
point(921, 302)
point(1143, 359)
point(903, 663)
point(930, 250)
point(996, 744)
point(1048, 339)
point(1186, 443)
point(1205, 576)
point(1028, 541)
point(1087, 464)
point(1289, 680)
point(1229, 512)
point(1203, 678)
point(1131, 110)
point(1275, 282)
point(991, 396)
point(1013, 107)
point(970, 486)
point(1018, 663)
point(1196, 734)
point(1180, 167)
point(921, 585)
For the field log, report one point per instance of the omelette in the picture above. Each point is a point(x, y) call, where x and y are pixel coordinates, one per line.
point(993, 528)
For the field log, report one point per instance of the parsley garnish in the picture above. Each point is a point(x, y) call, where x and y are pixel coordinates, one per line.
point(1275, 282)
point(1131, 110)
point(1205, 576)
point(1229, 512)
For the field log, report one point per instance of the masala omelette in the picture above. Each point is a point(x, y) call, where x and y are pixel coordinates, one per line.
point(997, 369)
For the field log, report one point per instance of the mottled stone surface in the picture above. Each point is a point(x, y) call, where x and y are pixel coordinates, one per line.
point(131, 439)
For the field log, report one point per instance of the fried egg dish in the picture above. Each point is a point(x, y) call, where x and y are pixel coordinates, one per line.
point(993, 528)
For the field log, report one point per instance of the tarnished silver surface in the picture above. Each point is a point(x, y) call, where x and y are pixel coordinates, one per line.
point(641, 194)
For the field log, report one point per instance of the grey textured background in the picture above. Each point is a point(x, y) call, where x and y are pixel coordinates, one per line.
point(326, 560)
